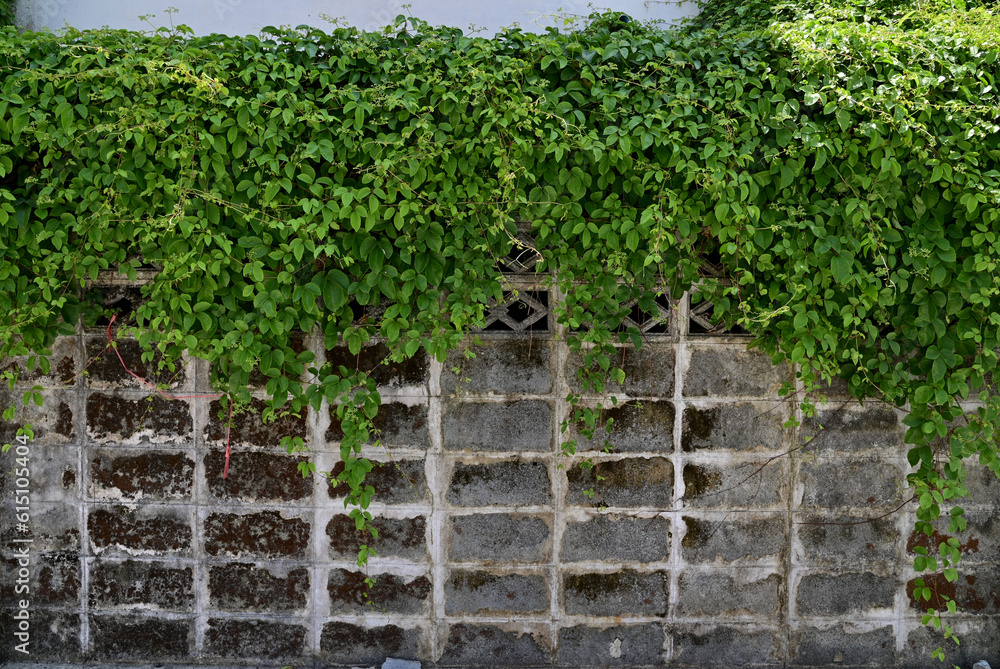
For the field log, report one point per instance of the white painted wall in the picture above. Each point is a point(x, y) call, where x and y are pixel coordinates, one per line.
point(249, 16)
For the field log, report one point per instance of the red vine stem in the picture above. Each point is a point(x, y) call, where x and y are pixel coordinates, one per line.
point(229, 421)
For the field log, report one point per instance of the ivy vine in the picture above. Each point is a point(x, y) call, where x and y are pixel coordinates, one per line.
point(839, 163)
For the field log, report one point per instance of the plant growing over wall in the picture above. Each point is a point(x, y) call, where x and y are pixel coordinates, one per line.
point(840, 164)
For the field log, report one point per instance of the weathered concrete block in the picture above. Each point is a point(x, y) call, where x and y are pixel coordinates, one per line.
point(54, 637)
point(266, 534)
point(733, 540)
point(396, 663)
point(399, 425)
point(105, 370)
point(53, 580)
point(616, 538)
point(137, 475)
point(623, 646)
point(723, 371)
point(116, 419)
point(649, 372)
point(248, 428)
point(983, 486)
point(846, 540)
point(52, 423)
point(64, 364)
point(620, 593)
point(525, 425)
point(128, 638)
point(744, 486)
point(256, 477)
point(500, 537)
point(646, 482)
point(742, 426)
point(635, 427)
point(510, 483)
point(145, 532)
point(841, 594)
point(396, 482)
point(136, 584)
point(390, 594)
point(52, 472)
point(351, 645)
point(246, 639)
point(746, 593)
point(854, 429)
point(239, 586)
point(397, 537)
point(725, 645)
point(54, 527)
point(374, 360)
point(975, 593)
point(502, 367)
point(979, 543)
point(484, 593)
point(849, 483)
point(922, 640)
point(843, 645)
point(473, 644)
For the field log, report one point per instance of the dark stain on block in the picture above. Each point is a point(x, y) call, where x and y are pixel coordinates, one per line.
point(621, 593)
point(628, 482)
point(480, 592)
point(731, 426)
point(397, 482)
point(399, 537)
point(239, 586)
point(153, 474)
point(116, 526)
point(470, 645)
point(248, 428)
point(499, 537)
point(256, 477)
point(127, 639)
point(264, 534)
point(617, 539)
point(262, 639)
point(635, 426)
point(135, 583)
point(351, 645)
point(398, 424)
point(69, 479)
point(64, 422)
point(374, 360)
point(104, 369)
point(390, 594)
point(524, 425)
point(109, 417)
point(510, 483)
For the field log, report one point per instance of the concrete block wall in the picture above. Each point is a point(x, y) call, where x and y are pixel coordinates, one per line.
point(709, 539)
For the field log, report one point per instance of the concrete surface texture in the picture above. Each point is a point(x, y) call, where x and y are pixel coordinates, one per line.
point(705, 537)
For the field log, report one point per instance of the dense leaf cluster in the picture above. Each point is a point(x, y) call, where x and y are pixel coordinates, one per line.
point(840, 165)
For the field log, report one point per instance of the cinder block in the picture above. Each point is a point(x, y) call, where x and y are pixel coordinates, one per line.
point(397, 537)
point(249, 428)
point(839, 484)
point(854, 429)
point(843, 645)
point(621, 593)
point(395, 482)
point(128, 638)
point(847, 540)
point(105, 370)
point(747, 485)
point(733, 540)
point(723, 371)
point(524, 425)
point(649, 372)
point(979, 543)
point(503, 367)
point(399, 425)
point(616, 538)
point(147, 531)
point(64, 364)
point(139, 584)
point(635, 427)
point(51, 423)
point(139, 475)
point(983, 486)
point(239, 586)
point(975, 593)
point(266, 534)
point(510, 483)
point(351, 645)
point(980, 638)
point(116, 419)
point(638, 482)
point(498, 537)
point(54, 636)
point(256, 477)
point(52, 472)
point(245, 639)
point(374, 360)
point(53, 580)
point(742, 426)
point(710, 645)
point(703, 594)
point(480, 592)
point(623, 646)
point(54, 527)
point(391, 593)
point(841, 594)
point(477, 644)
